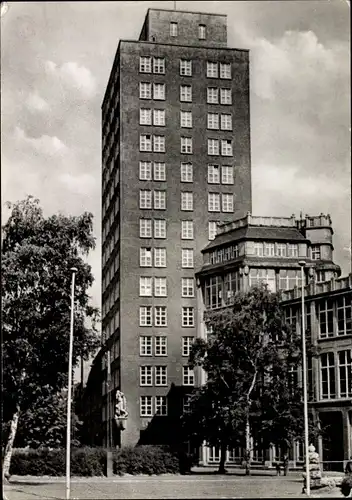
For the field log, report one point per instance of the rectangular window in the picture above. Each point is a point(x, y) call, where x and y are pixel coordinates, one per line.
point(226, 122)
point(225, 96)
point(159, 117)
point(213, 147)
point(186, 172)
point(186, 119)
point(225, 71)
point(202, 32)
point(226, 147)
point(145, 286)
point(259, 249)
point(325, 311)
point(344, 316)
point(159, 91)
point(186, 406)
point(269, 249)
point(186, 93)
point(213, 174)
point(187, 287)
point(213, 121)
point(160, 288)
point(145, 116)
point(160, 346)
point(159, 257)
point(257, 277)
point(145, 376)
point(159, 143)
point(292, 250)
point(187, 316)
point(145, 142)
point(145, 345)
point(186, 145)
point(289, 278)
point(345, 373)
point(315, 252)
point(213, 202)
point(145, 257)
point(187, 232)
point(173, 29)
point(159, 228)
point(185, 67)
point(145, 90)
point(160, 316)
point(145, 199)
point(145, 171)
point(226, 174)
point(187, 376)
point(212, 95)
point(187, 258)
point(281, 249)
point(327, 372)
point(146, 406)
point(159, 171)
point(160, 375)
point(161, 406)
point(159, 65)
point(212, 227)
point(213, 292)
point(187, 201)
point(145, 316)
point(159, 200)
point(227, 202)
point(187, 345)
point(145, 64)
point(212, 70)
point(145, 228)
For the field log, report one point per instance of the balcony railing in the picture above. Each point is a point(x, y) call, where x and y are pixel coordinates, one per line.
point(316, 288)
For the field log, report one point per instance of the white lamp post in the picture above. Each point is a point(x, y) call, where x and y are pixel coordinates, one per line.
point(305, 391)
point(69, 395)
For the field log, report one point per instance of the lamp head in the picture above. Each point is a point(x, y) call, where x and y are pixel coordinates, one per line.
point(302, 263)
point(74, 270)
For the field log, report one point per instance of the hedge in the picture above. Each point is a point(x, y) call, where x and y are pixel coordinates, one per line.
point(144, 459)
point(44, 462)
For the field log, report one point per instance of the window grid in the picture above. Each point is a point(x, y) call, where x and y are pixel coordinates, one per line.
point(187, 345)
point(225, 96)
point(226, 147)
point(186, 119)
point(213, 202)
point(145, 142)
point(145, 171)
point(159, 91)
point(212, 95)
point(159, 200)
point(145, 228)
point(160, 316)
point(186, 145)
point(227, 202)
point(159, 117)
point(145, 376)
point(202, 32)
point(187, 286)
point(145, 90)
point(159, 144)
point(159, 257)
point(186, 172)
point(145, 64)
point(159, 228)
point(173, 29)
point(213, 147)
point(345, 373)
point(145, 116)
point(145, 257)
point(145, 286)
point(187, 232)
point(212, 69)
point(145, 316)
point(159, 171)
point(145, 345)
point(327, 367)
point(213, 174)
point(160, 346)
point(160, 375)
point(188, 316)
point(226, 122)
point(225, 71)
point(187, 201)
point(187, 258)
point(185, 67)
point(145, 199)
point(159, 65)
point(161, 406)
point(212, 227)
point(187, 376)
point(146, 406)
point(186, 93)
point(213, 121)
point(227, 174)
point(160, 287)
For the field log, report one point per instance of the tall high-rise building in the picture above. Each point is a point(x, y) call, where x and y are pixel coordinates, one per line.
point(176, 161)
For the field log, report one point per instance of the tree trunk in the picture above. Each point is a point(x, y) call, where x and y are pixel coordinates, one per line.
point(223, 449)
point(248, 448)
point(9, 445)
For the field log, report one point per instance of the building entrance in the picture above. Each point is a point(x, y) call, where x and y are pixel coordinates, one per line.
point(332, 427)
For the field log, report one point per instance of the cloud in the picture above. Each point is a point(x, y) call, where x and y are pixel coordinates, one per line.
point(46, 145)
point(71, 74)
point(82, 184)
point(36, 103)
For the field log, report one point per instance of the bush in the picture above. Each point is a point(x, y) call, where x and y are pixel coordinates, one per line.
point(45, 462)
point(146, 459)
point(346, 485)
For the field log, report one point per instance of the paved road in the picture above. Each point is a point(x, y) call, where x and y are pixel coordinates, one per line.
point(168, 486)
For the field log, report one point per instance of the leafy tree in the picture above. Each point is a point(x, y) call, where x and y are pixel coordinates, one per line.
point(249, 359)
point(37, 256)
point(45, 423)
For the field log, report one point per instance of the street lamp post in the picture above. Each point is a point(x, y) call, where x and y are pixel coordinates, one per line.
point(69, 394)
point(305, 391)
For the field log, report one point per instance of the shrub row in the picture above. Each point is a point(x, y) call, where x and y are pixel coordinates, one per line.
point(92, 461)
point(45, 462)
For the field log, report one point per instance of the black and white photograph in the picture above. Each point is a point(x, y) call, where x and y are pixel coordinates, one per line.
point(176, 279)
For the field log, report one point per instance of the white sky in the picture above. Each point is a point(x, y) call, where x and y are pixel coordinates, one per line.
point(55, 62)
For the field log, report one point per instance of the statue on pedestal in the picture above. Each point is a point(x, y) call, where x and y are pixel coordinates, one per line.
point(314, 469)
point(121, 412)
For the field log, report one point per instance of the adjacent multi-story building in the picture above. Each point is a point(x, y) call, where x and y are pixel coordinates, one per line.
point(176, 162)
point(254, 250)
